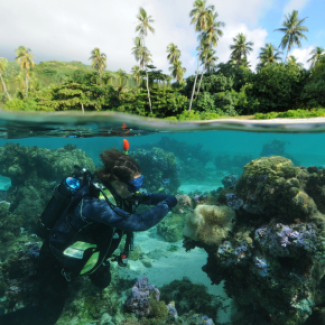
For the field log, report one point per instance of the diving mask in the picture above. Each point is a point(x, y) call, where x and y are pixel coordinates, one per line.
point(135, 184)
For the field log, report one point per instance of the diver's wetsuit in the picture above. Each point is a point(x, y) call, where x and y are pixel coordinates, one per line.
point(90, 221)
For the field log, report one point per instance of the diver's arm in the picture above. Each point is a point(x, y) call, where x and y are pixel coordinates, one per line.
point(152, 198)
point(95, 210)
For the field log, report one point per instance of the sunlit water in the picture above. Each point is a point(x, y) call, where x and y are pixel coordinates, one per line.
point(164, 260)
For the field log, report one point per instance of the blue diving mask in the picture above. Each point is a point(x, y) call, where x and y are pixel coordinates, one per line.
point(135, 184)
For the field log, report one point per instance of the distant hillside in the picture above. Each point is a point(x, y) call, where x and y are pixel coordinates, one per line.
point(49, 73)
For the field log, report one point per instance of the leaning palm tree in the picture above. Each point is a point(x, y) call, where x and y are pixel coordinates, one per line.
point(173, 53)
point(269, 55)
point(3, 66)
point(143, 28)
point(293, 31)
point(201, 16)
point(98, 62)
point(177, 71)
point(209, 38)
point(138, 50)
point(316, 54)
point(136, 75)
point(241, 48)
point(25, 59)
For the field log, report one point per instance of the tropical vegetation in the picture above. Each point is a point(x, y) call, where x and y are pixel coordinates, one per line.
point(276, 88)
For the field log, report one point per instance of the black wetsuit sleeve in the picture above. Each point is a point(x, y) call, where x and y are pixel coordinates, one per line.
point(153, 199)
point(95, 210)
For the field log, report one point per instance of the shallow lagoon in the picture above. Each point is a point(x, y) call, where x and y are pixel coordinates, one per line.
point(264, 266)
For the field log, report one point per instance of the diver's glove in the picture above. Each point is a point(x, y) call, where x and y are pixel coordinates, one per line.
point(170, 201)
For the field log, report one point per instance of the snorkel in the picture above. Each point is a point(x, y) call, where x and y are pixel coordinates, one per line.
point(136, 183)
point(126, 146)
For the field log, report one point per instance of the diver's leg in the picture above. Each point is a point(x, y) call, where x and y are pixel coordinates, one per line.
point(102, 277)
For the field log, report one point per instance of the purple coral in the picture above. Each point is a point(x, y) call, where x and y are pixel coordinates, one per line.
point(233, 201)
point(138, 300)
point(199, 198)
point(283, 240)
point(262, 266)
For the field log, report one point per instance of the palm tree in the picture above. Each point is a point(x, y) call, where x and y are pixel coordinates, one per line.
point(108, 76)
point(241, 48)
point(211, 60)
point(201, 16)
point(3, 66)
point(316, 54)
point(293, 31)
point(122, 75)
point(269, 55)
point(292, 60)
point(136, 74)
point(98, 62)
point(141, 53)
point(173, 53)
point(177, 71)
point(143, 27)
point(209, 38)
point(25, 59)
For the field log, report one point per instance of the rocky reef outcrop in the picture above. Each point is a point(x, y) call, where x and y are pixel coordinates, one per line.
point(34, 172)
point(272, 259)
point(160, 170)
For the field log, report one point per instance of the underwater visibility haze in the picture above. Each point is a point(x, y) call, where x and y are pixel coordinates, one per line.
point(249, 250)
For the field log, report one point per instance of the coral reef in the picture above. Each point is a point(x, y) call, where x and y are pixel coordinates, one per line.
point(160, 169)
point(171, 227)
point(190, 297)
point(209, 224)
point(191, 158)
point(277, 147)
point(34, 172)
point(272, 258)
point(233, 164)
point(144, 301)
point(229, 181)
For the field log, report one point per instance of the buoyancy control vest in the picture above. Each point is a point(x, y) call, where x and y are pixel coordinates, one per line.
point(67, 195)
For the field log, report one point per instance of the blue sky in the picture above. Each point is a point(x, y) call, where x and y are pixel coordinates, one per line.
point(69, 29)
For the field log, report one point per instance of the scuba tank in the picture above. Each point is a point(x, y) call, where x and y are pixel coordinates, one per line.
point(62, 196)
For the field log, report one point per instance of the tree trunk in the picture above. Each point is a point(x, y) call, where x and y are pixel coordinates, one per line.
point(26, 84)
point(82, 107)
point(148, 91)
point(287, 54)
point(198, 88)
point(4, 87)
point(193, 90)
point(100, 80)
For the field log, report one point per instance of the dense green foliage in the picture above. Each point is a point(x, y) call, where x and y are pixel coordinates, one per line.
point(230, 90)
point(221, 90)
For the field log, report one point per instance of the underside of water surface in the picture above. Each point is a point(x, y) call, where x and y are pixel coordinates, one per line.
point(249, 250)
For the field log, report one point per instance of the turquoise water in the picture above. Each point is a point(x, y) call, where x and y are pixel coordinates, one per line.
point(254, 248)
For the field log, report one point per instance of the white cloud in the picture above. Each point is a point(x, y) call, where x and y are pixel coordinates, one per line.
point(70, 29)
point(302, 55)
point(295, 5)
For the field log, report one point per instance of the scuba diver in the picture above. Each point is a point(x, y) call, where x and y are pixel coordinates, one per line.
point(86, 219)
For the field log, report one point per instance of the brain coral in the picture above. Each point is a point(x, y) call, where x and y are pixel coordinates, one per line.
point(209, 223)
